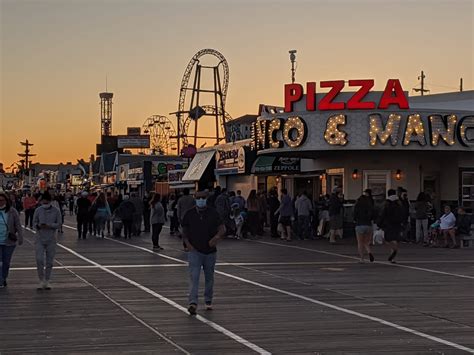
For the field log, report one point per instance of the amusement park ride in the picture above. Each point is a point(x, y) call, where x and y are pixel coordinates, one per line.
point(192, 108)
point(201, 117)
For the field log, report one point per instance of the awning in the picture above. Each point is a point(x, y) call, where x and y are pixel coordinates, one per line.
point(182, 186)
point(277, 165)
point(263, 164)
point(198, 165)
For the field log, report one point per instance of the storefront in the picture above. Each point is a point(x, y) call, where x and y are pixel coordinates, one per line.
point(376, 140)
point(142, 174)
point(233, 166)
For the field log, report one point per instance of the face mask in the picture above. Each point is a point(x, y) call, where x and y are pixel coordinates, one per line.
point(201, 203)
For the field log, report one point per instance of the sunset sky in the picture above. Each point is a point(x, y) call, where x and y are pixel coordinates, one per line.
point(55, 56)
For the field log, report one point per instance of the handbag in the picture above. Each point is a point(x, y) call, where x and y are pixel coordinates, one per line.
point(379, 236)
point(10, 236)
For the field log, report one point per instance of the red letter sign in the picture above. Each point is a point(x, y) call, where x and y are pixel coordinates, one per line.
point(355, 102)
point(293, 93)
point(311, 96)
point(393, 86)
point(326, 102)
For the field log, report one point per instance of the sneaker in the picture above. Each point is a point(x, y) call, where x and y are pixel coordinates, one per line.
point(192, 309)
point(371, 257)
point(209, 307)
point(40, 286)
point(156, 247)
point(46, 286)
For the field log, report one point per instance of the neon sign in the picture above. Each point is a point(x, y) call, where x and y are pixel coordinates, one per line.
point(393, 95)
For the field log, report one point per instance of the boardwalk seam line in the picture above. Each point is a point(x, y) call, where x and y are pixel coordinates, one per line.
point(123, 308)
point(328, 305)
point(377, 262)
point(202, 319)
point(130, 313)
point(213, 325)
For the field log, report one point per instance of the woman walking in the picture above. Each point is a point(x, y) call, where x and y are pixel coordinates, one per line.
point(391, 222)
point(10, 234)
point(157, 220)
point(364, 215)
point(102, 213)
point(253, 213)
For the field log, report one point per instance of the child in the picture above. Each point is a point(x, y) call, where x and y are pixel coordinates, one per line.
point(238, 217)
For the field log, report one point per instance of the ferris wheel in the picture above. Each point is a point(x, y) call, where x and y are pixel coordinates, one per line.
point(161, 131)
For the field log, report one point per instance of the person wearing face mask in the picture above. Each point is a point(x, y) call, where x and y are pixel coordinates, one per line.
point(47, 220)
point(10, 235)
point(202, 229)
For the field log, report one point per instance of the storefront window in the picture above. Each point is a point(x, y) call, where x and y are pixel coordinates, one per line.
point(335, 178)
point(305, 184)
point(261, 184)
point(272, 182)
point(467, 196)
point(379, 182)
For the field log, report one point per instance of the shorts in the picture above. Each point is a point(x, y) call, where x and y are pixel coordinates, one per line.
point(364, 230)
point(285, 221)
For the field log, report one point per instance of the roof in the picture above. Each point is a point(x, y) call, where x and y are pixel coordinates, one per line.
point(461, 101)
point(245, 119)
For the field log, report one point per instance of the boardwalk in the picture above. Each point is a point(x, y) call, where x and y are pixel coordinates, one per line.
point(111, 296)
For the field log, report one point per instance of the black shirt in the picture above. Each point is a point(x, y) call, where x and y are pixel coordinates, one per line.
point(83, 205)
point(200, 227)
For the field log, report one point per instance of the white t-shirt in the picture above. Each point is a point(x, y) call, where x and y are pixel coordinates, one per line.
point(447, 221)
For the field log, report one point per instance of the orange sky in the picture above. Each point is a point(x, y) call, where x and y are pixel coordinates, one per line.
point(55, 56)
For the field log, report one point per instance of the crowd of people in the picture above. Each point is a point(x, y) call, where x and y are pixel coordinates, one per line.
point(205, 218)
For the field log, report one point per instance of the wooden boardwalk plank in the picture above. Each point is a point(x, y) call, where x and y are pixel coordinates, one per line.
point(74, 317)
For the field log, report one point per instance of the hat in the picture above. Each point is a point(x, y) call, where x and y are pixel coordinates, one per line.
point(201, 194)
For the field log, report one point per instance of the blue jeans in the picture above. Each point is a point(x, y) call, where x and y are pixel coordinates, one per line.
point(207, 262)
point(6, 253)
point(304, 227)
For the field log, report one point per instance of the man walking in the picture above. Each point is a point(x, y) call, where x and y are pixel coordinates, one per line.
point(83, 206)
point(47, 219)
point(29, 205)
point(304, 209)
point(202, 229)
point(391, 221)
point(138, 214)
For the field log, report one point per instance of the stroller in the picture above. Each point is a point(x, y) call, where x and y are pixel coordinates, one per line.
point(434, 234)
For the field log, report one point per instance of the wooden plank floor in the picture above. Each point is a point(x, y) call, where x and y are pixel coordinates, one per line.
point(304, 297)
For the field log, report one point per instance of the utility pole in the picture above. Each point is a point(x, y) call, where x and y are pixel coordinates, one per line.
point(26, 155)
point(460, 85)
point(422, 90)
